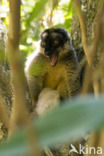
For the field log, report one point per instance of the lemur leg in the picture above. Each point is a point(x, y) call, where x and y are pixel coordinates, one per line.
point(35, 86)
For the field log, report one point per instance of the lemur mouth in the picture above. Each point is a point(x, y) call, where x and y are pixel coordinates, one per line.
point(54, 58)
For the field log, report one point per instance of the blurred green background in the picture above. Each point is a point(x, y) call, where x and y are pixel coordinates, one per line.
point(37, 15)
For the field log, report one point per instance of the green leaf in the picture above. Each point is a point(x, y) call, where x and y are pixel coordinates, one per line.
point(72, 120)
point(36, 11)
point(31, 20)
point(102, 2)
point(68, 16)
point(17, 145)
point(55, 3)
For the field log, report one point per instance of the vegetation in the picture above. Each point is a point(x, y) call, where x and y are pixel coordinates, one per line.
point(77, 117)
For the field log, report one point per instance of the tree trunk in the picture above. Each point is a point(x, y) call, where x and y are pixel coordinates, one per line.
point(5, 86)
point(89, 9)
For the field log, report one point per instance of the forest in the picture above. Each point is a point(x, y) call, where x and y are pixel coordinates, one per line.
point(60, 112)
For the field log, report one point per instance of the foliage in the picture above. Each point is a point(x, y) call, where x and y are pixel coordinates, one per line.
point(61, 125)
point(35, 16)
point(75, 118)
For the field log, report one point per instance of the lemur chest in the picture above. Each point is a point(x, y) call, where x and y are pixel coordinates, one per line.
point(54, 76)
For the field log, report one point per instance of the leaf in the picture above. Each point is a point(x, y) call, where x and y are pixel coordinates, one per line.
point(36, 11)
point(69, 122)
point(55, 3)
point(67, 8)
point(17, 145)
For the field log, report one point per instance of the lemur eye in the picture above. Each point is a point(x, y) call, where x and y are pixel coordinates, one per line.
point(56, 42)
point(43, 44)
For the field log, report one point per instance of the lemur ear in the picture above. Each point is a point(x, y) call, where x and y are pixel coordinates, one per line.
point(64, 33)
point(44, 34)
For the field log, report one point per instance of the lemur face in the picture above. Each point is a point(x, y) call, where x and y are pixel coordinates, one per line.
point(52, 40)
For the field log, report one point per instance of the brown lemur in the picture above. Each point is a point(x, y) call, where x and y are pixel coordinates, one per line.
point(54, 65)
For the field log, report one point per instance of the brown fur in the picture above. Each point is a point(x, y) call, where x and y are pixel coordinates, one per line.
point(63, 77)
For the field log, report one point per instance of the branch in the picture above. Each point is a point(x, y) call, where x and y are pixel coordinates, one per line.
point(19, 111)
point(83, 29)
point(19, 115)
point(98, 29)
point(89, 51)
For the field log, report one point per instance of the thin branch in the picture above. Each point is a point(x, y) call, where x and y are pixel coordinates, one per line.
point(95, 42)
point(89, 50)
point(93, 142)
point(96, 86)
point(33, 141)
point(99, 27)
point(87, 80)
point(19, 115)
point(48, 152)
point(83, 29)
point(19, 111)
